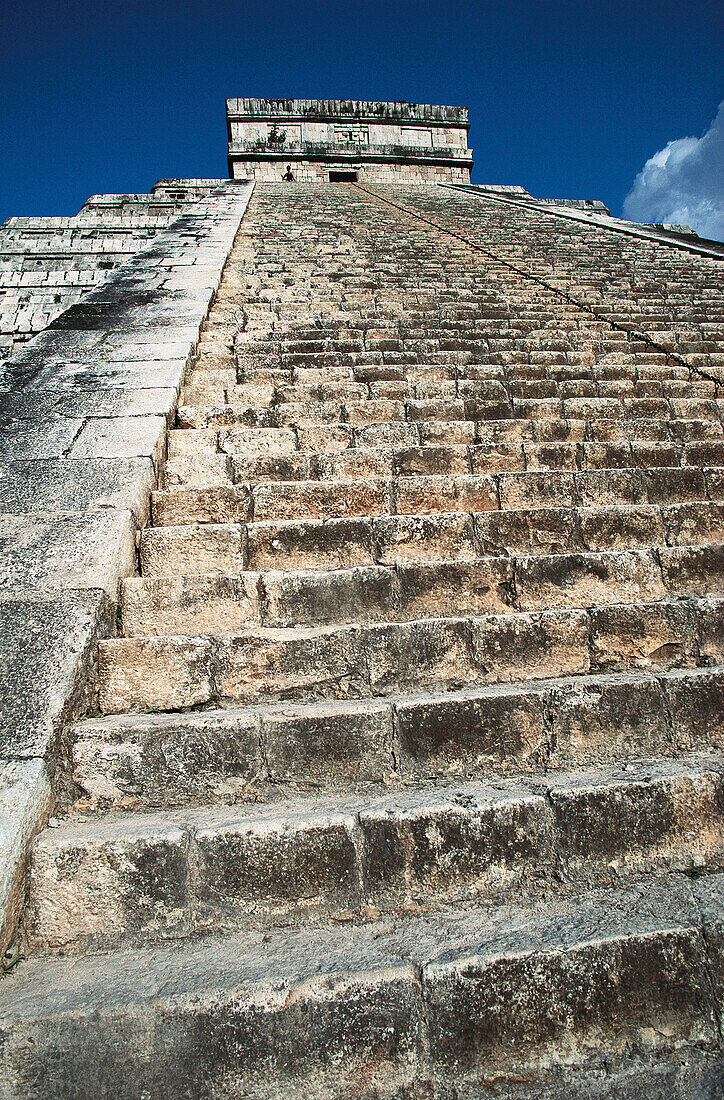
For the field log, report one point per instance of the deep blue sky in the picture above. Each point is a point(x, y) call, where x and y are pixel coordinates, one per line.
point(567, 99)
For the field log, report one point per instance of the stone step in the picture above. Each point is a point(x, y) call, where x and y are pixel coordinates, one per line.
point(223, 602)
point(205, 470)
point(416, 374)
point(432, 494)
point(474, 317)
point(206, 387)
point(176, 672)
point(510, 349)
point(507, 350)
point(380, 410)
point(212, 388)
point(247, 442)
point(137, 876)
point(452, 536)
point(613, 989)
point(253, 753)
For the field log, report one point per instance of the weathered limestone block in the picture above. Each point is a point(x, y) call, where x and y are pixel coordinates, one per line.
point(477, 840)
point(192, 548)
point(536, 490)
point(691, 571)
point(65, 551)
point(587, 580)
point(425, 461)
point(219, 504)
point(319, 662)
point(446, 536)
point(441, 733)
point(424, 495)
point(639, 820)
point(345, 742)
point(665, 635)
point(195, 604)
point(405, 656)
point(292, 467)
point(198, 472)
point(154, 673)
point(526, 530)
point(25, 802)
point(76, 485)
point(310, 544)
point(46, 664)
point(317, 500)
point(168, 758)
point(274, 862)
point(483, 1018)
point(117, 884)
point(531, 646)
point(460, 588)
point(621, 527)
point(361, 594)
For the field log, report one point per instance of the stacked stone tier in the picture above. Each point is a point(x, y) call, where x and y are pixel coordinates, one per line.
point(48, 264)
point(406, 772)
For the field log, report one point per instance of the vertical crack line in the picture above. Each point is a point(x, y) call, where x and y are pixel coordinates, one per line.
point(589, 641)
point(669, 724)
point(708, 965)
point(395, 743)
point(69, 448)
point(557, 860)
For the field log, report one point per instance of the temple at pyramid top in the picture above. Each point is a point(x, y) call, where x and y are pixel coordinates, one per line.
point(348, 139)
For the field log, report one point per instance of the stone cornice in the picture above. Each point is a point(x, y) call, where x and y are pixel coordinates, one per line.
point(330, 110)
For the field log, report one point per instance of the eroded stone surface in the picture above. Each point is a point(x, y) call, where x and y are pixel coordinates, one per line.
point(25, 802)
point(428, 623)
point(83, 434)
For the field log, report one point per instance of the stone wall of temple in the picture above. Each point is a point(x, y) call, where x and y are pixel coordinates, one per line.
point(307, 171)
point(381, 141)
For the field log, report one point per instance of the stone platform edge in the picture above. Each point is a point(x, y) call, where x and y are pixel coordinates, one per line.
point(84, 411)
point(596, 218)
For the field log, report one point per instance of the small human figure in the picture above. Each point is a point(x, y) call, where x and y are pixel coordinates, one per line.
point(289, 175)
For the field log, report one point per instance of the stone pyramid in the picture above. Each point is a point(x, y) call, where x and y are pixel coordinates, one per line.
point(362, 643)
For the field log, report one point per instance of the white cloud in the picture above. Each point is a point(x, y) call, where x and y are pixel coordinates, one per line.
point(683, 183)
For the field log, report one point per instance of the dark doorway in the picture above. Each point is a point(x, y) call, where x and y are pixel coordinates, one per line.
point(342, 177)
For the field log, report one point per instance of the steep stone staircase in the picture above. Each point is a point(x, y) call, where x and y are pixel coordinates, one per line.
point(406, 776)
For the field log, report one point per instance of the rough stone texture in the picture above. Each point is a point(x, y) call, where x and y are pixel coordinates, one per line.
point(47, 660)
point(479, 991)
point(81, 447)
point(67, 552)
point(407, 777)
point(25, 802)
point(48, 264)
point(322, 138)
point(398, 1007)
